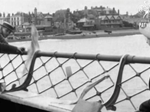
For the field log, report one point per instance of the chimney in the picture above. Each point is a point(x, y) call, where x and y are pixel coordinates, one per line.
point(85, 8)
point(4, 15)
point(35, 11)
point(85, 11)
point(8, 15)
point(127, 13)
point(118, 11)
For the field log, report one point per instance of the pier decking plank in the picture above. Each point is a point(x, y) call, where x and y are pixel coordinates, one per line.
point(37, 101)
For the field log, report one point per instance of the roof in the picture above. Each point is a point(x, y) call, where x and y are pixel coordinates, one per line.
point(133, 20)
point(48, 16)
point(110, 17)
point(83, 20)
point(26, 24)
point(104, 17)
point(117, 17)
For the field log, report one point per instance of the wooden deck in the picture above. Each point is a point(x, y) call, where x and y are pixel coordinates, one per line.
point(36, 101)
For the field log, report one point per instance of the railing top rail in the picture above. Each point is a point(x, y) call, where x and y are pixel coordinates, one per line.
point(80, 56)
point(130, 58)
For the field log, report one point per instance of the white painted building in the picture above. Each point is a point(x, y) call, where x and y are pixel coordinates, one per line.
point(2, 19)
point(17, 20)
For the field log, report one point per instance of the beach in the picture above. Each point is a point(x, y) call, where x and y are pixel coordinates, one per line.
point(97, 34)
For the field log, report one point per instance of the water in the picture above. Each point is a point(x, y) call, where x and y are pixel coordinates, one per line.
point(133, 45)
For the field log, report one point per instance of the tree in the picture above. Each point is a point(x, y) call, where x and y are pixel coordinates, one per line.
point(59, 16)
point(74, 18)
point(127, 24)
point(77, 15)
point(67, 15)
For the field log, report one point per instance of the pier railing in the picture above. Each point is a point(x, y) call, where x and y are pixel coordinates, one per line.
point(65, 75)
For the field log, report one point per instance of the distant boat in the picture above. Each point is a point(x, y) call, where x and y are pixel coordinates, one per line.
point(76, 31)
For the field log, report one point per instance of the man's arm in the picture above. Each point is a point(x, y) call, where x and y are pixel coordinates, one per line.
point(6, 48)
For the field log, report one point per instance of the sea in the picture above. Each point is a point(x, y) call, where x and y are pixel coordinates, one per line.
point(129, 44)
point(132, 44)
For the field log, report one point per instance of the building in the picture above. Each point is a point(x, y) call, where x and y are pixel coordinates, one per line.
point(18, 19)
point(107, 17)
point(22, 20)
point(4, 18)
point(100, 18)
point(110, 20)
point(47, 20)
point(86, 24)
point(42, 19)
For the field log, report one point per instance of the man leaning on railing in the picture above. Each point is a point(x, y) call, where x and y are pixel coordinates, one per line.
point(5, 30)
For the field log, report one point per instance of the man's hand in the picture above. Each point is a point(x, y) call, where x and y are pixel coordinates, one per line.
point(21, 50)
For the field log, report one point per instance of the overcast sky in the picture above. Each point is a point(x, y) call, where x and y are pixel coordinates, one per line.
point(13, 6)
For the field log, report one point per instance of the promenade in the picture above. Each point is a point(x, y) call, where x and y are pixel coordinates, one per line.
point(86, 35)
point(96, 34)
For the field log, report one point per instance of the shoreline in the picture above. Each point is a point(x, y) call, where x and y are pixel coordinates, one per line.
point(99, 34)
point(86, 35)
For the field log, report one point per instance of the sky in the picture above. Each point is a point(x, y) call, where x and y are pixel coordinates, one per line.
point(51, 6)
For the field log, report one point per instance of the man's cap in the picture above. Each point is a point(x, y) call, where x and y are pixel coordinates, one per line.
point(9, 26)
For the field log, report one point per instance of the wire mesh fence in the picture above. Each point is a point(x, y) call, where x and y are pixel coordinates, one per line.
point(64, 76)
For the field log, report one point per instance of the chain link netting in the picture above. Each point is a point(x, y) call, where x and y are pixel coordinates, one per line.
point(64, 77)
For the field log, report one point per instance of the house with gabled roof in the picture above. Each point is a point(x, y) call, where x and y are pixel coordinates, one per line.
point(117, 17)
point(104, 17)
point(109, 21)
point(86, 23)
point(110, 17)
